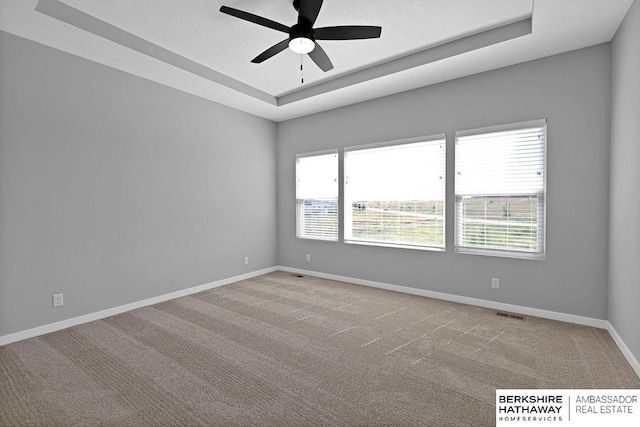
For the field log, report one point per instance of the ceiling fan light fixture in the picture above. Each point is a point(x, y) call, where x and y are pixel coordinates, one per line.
point(301, 45)
point(302, 35)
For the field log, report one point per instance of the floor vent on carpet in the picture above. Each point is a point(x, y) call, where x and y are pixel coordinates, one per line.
point(297, 275)
point(509, 315)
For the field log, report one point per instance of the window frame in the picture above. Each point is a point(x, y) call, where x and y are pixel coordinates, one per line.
point(541, 196)
point(393, 143)
point(299, 156)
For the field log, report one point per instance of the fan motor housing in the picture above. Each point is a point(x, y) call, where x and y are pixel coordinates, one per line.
point(301, 30)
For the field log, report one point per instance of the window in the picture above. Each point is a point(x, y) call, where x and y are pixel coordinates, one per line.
point(317, 196)
point(500, 190)
point(394, 195)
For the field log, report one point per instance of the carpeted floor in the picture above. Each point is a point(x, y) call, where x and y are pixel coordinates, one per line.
point(281, 350)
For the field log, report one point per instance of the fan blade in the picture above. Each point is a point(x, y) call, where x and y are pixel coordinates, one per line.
point(276, 48)
point(255, 19)
point(347, 32)
point(321, 59)
point(309, 10)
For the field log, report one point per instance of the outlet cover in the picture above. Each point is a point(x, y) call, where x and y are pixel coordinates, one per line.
point(309, 257)
point(495, 283)
point(57, 300)
point(246, 260)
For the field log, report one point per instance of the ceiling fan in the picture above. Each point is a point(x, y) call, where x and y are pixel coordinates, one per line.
point(302, 36)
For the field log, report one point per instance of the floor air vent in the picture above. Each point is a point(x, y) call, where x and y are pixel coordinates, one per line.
point(509, 315)
point(297, 275)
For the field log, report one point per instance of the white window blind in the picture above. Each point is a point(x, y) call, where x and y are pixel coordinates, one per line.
point(500, 190)
point(317, 196)
point(394, 195)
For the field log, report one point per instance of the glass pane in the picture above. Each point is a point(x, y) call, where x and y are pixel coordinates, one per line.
point(317, 196)
point(415, 222)
point(396, 194)
point(509, 223)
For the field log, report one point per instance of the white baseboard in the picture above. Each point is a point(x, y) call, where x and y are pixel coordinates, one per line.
point(52, 327)
point(546, 314)
point(624, 349)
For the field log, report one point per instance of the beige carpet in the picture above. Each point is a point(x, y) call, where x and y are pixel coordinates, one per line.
point(280, 350)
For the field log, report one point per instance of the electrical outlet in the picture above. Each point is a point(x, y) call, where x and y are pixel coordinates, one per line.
point(246, 260)
point(57, 300)
point(308, 257)
point(495, 283)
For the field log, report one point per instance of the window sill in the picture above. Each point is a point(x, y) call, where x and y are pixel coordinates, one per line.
point(395, 245)
point(501, 253)
point(317, 238)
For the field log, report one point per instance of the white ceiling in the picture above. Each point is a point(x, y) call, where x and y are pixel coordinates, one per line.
point(223, 46)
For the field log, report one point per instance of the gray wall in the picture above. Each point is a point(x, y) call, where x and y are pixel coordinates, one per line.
point(572, 91)
point(624, 237)
point(114, 189)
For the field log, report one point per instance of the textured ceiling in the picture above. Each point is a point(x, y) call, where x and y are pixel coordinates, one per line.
point(195, 32)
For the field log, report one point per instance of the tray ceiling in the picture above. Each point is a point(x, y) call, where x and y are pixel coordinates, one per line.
point(191, 46)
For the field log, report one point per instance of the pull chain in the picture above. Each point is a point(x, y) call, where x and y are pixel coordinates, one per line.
point(301, 71)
